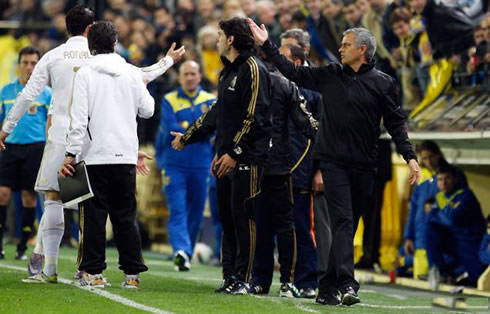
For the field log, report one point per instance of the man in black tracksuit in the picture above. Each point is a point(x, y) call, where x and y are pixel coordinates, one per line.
point(355, 97)
point(241, 117)
point(275, 213)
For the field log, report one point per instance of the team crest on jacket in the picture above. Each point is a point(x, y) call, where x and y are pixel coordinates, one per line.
point(232, 84)
point(238, 150)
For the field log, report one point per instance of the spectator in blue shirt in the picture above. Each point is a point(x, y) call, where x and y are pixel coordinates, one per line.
point(455, 228)
point(20, 163)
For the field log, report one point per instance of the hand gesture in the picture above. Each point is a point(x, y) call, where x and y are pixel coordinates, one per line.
point(141, 167)
point(3, 136)
point(175, 54)
point(408, 247)
point(414, 171)
point(260, 34)
point(67, 167)
point(318, 182)
point(177, 143)
point(226, 165)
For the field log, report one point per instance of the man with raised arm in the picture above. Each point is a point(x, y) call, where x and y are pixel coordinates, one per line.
point(355, 97)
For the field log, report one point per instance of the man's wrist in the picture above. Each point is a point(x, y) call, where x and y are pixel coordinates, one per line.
point(68, 154)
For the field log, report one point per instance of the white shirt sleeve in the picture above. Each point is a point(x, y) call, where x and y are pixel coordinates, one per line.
point(146, 103)
point(151, 72)
point(78, 114)
point(39, 79)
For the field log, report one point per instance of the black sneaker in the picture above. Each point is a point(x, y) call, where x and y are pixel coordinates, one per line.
point(330, 297)
point(349, 296)
point(226, 286)
point(2, 254)
point(259, 289)
point(288, 290)
point(307, 293)
point(240, 288)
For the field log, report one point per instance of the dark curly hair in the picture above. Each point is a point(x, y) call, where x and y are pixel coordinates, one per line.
point(102, 38)
point(238, 28)
point(78, 18)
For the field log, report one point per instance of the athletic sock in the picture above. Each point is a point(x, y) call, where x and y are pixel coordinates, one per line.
point(27, 227)
point(38, 249)
point(53, 231)
point(3, 218)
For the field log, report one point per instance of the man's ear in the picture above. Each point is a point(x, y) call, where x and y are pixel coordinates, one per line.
point(230, 40)
point(363, 49)
point(87, 29)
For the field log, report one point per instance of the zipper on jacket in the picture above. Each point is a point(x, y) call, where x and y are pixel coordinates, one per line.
point(88, 130)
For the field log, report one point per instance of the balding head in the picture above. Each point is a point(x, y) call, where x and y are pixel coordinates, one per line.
point(189, 76)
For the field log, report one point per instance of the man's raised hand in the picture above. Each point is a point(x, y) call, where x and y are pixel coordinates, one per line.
point(176, 54)
point(260, 33)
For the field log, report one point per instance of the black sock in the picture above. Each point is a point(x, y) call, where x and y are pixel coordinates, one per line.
point(3, 219)
point(27, 227)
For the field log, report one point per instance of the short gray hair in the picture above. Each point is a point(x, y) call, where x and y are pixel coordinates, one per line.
point(301, 36)
point(364, 37)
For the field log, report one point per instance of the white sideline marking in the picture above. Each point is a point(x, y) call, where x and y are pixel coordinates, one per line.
point(305, 308)
point(100, 292)
point(415, 307)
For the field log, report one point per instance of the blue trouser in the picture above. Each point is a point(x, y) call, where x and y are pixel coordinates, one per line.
point(213, 204)
point(453, 255)
point(185, 190)
point(305, 275)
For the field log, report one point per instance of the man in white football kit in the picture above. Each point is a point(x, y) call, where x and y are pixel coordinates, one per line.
point(57, 68)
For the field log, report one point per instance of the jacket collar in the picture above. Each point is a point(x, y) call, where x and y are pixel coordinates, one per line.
point(182, 94)
point(363, 69)
point(244, 55)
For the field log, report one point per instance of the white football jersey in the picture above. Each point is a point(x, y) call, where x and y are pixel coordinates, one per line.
point(57, 68)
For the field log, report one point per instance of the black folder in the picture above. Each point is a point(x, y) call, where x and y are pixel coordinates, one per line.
point(77, 188)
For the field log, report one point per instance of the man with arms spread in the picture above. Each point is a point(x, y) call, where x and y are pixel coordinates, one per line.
point(57, 68)
point(241, 117)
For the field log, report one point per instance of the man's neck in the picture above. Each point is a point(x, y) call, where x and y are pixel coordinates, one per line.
point(356, 66)
point(189, 93)
point(23, 81)
point(232, 54)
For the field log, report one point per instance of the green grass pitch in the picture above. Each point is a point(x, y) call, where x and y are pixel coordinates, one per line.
point(165, 291)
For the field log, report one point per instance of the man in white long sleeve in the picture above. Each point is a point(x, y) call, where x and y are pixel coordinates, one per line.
point(57, 68)
point(108, 95)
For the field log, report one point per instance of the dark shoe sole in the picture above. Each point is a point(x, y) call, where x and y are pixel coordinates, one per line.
point(350, 300)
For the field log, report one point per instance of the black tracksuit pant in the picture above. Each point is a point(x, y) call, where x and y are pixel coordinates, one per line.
point(237, 196)
point(114, 188)
point(347, 191)
point(275, 218)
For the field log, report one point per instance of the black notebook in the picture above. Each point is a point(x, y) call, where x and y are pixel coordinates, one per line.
point(75, 189)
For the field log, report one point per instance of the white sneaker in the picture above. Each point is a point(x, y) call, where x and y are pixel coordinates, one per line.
point(131, 282)
point(434, 278)
point(181, 261)
point(94, 281)
point(41, 278)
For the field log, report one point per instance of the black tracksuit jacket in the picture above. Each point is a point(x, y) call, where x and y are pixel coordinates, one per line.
point(241, 114)
point(286, 104)
point(353, 104)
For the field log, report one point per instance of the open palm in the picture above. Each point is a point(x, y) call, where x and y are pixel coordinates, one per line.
point(260, 33)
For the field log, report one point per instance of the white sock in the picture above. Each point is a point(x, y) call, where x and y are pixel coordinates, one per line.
point(53, 230)
point(38, 249)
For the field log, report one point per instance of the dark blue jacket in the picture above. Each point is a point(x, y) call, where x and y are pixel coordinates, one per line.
point(302, 170)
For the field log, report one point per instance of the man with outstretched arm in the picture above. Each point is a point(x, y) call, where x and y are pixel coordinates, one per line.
point(355, 97)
